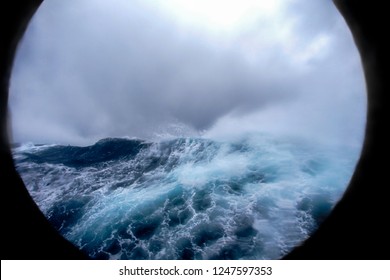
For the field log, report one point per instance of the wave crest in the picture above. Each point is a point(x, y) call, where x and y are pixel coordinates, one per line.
point(185, 198)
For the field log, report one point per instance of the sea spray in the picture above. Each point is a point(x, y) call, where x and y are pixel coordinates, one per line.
point(256, 197)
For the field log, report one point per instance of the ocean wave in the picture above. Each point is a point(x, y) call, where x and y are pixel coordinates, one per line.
point(186, 198)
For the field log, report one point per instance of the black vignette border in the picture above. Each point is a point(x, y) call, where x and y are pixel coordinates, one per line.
point(356, 229)
point(25, 234)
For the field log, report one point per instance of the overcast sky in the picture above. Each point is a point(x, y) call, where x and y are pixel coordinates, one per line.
point(89, 69)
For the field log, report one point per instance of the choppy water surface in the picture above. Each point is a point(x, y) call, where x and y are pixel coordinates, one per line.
point(186, 198)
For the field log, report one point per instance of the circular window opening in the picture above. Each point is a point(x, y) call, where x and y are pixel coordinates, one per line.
point(187, 130)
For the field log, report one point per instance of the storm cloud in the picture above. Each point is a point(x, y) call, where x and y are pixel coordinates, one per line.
point(89, 69)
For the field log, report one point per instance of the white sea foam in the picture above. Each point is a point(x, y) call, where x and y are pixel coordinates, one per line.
point(255, 198)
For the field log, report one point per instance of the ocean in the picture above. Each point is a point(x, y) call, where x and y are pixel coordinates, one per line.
point(253, 197)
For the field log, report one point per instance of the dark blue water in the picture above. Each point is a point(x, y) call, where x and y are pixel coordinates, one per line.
point(186, 198)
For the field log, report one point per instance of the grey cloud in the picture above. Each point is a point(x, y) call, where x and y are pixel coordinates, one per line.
point(96, 71)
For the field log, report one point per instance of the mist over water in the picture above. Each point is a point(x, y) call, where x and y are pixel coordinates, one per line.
point(233, 131)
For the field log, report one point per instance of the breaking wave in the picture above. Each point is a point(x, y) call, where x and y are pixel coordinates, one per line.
point(186, 198)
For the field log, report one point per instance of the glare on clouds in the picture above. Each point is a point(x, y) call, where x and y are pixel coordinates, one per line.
point(91, 69)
